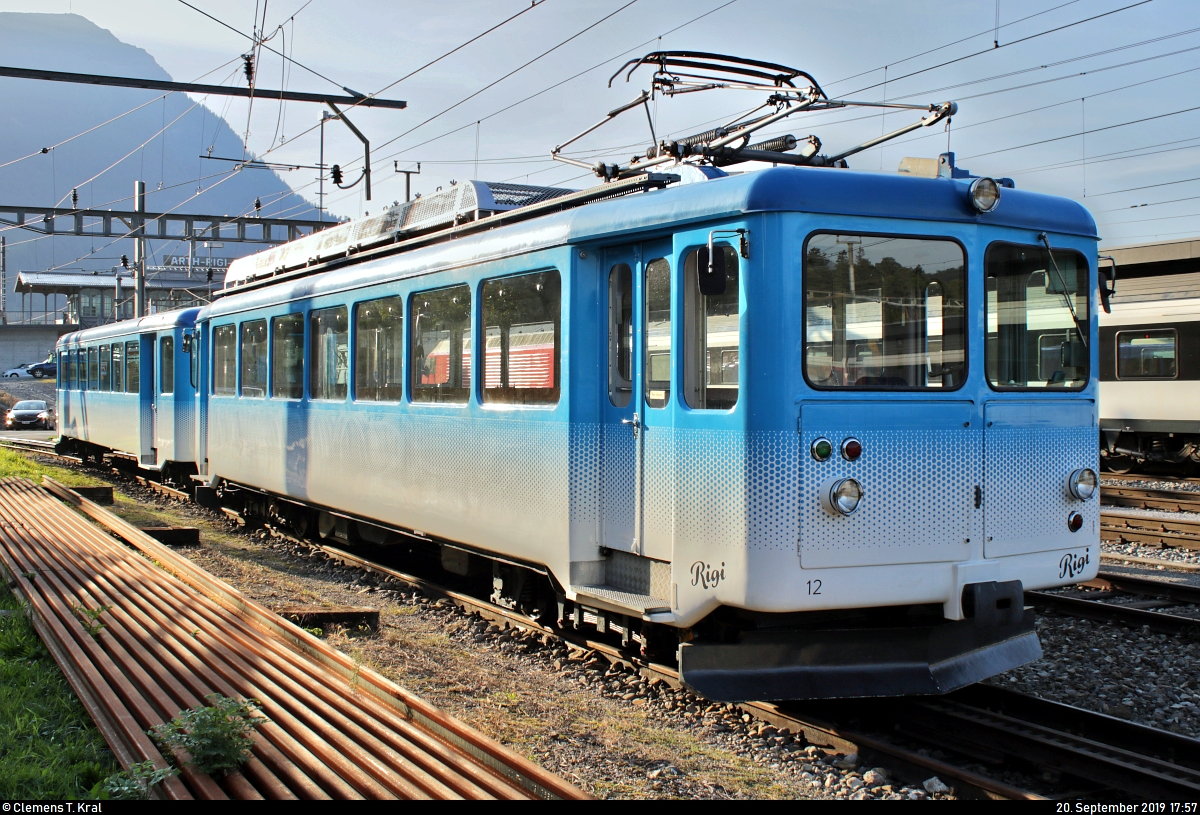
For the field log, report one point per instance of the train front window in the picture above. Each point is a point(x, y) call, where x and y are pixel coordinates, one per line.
point(1037, 318)
point(712, 336)
point(521, 328)
point(441, 344)
point(884, 313)
point(1147, 354)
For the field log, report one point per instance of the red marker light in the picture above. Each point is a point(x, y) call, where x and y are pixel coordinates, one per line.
point(851, 449)
point(1074, 522)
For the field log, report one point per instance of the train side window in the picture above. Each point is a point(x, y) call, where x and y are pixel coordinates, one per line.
point(118, 367)
point(328, 360)
point(254, 359)
point(105, 360)
point(657, 374)
point(224, 377)
point(441, 344)
point(166, 368)
point(93, 368)
point(133, 367)
point(712, 336)
point(1147, 354)
point(522, 347)
point(620, 335)
point(68, 368)
point(287, 357)
point(379, 350)
point(80, 355)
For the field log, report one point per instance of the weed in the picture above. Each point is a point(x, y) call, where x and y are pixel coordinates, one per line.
point(133, 784)
point(90, 618)
point(218, 736)
point(316, 632)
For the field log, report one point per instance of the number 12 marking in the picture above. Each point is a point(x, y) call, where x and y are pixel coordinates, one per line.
point(814, 587)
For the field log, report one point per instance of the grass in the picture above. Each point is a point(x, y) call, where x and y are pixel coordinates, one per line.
point(13, 464)
point(49, 747)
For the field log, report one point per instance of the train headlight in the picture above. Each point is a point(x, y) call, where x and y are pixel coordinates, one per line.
point(841, 496)
point(1083, 483)
point(984, 194)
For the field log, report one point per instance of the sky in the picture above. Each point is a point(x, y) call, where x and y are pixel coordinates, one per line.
point(1096, 100)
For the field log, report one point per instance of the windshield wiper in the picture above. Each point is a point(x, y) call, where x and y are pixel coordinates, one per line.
point(1065, 295)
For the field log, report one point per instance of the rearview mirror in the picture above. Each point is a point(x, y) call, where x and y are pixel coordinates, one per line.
point(710, 271)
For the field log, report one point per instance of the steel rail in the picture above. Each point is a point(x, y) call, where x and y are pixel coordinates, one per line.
point(1150, 561)
point(820, 727)
point(1112, 585)
point(1138, 498)
point(472, 761)
point(1128, 528)
point(815, 730)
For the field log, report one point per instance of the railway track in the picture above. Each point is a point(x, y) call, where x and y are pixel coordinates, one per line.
point(1168, 608)
point(992, 721)
point(1124, 527)
point(987, 724)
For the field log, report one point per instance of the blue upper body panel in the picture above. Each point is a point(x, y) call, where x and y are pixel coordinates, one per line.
point(785, 189)
point(183, 318)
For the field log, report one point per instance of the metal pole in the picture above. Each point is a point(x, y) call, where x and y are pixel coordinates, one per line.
point(3, 281)
point(139, 250)
point(321, 172)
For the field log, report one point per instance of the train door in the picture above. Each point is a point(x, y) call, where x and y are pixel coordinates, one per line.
point(635, 422)
point(147, 454)
point(164, 413)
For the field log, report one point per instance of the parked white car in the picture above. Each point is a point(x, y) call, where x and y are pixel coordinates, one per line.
point(19, 372)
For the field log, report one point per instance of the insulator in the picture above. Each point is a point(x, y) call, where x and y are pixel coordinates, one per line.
point(335, 172)
point(248, 67)
point(75, 198)
point(779, 144)
point(705, 137)
point(257, 205)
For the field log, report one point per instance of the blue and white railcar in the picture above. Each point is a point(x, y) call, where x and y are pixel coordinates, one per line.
point(827, 455)
point(128, 389)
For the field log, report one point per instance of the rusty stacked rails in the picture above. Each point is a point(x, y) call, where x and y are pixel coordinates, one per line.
point(172, 635)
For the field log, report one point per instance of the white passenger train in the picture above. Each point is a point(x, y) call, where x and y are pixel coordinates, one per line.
point(1150, 375)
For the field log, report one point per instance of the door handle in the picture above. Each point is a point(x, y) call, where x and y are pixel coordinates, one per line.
point(635, 421)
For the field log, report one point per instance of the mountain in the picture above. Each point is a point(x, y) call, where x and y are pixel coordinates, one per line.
point(35, 114)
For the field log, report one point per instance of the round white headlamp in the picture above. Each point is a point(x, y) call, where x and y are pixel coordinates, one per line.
point(1083, 483)
point(841, 496)
point(984, 194)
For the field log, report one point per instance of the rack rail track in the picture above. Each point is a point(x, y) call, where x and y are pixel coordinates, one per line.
point(173, 634)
